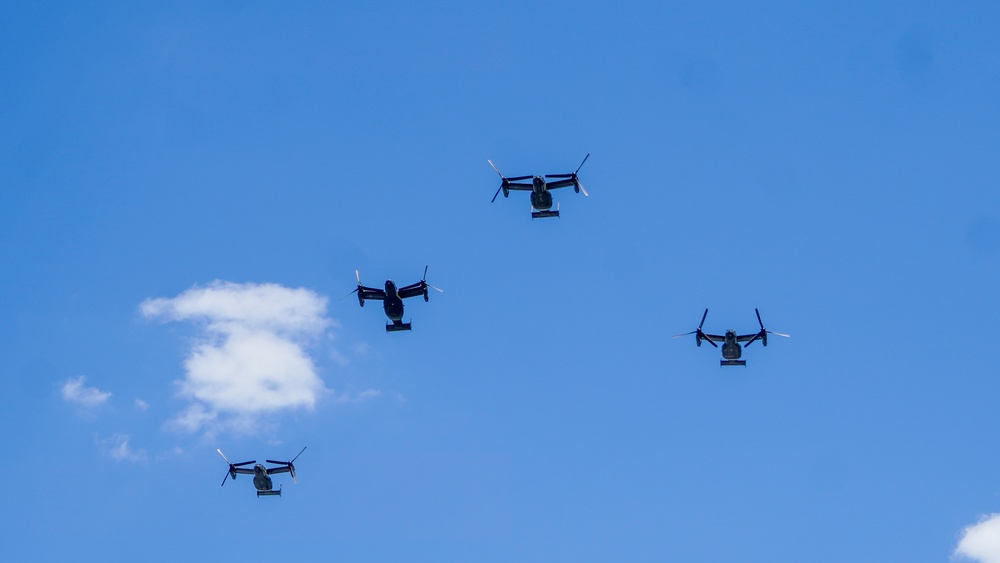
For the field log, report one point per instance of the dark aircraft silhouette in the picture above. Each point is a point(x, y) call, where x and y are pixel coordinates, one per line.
point(261, 474)
point(731, 349)
point(541, 199)
point(392, 298)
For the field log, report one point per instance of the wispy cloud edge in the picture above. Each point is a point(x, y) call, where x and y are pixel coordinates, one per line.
point(74, 390)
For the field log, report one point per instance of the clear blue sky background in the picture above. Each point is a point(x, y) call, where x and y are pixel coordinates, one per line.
point(834, 164)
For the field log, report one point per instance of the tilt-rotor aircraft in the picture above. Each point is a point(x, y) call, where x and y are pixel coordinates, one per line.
point(541, 199)
point(731, 349)
point(392, 298)
point(261, 474)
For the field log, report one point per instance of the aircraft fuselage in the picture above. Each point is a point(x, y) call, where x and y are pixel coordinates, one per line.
point(541, 198)
point(261, 480)
point(731, 349)
point(393, 303)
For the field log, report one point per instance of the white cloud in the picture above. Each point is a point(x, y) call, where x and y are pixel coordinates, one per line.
point(74, 391)
point(118, 448)
point(250, 359)
point(266, 306)
point(981, 541)
point(141, 405)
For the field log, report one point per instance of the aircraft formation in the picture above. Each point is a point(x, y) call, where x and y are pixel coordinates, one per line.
point(541, 207)
point(392, 298)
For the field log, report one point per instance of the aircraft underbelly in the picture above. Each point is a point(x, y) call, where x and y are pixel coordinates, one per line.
point(262, 483)
point(731, 351)
point(541, 200)
point(394, 309)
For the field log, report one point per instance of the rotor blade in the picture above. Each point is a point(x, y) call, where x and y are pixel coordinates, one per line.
point(581, 164)
point(703, 319)
point(496, 194)
point(357, 274)
point(558, 175)
point(707, 339)
point(224, 479)
point(749, 342)
point(224, 456)
point(582, 189)
point(353, 291)
point(495, 168)
point(291, 470)
point(685, 334)
point(437, 288)
point(288, 463)
point(425, 274)
point(517, 178)
point(244, 463)
point(758, 319)
point(778, 333)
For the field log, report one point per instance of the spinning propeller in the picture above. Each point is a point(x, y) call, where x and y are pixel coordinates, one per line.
point(504, 182)
point(426, 285)
point(699, 335)
point(576, 181)
point(289, 464)
point(762, 335)
point(232, 466)
point(361, 298)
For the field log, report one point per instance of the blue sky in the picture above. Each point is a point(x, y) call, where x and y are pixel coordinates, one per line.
point(187, 189)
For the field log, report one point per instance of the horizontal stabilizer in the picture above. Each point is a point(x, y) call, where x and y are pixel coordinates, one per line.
point(269, 493)
point(732, 362)
point(397, 326)
point(540, 214)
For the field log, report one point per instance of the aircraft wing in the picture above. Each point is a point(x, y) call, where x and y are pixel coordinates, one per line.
point(243, 471)
point(520, 186)
point(279, 469)
point(412, 290)
point(748, 337)
point(559, 184)
point(371, 293)
point(714, 337)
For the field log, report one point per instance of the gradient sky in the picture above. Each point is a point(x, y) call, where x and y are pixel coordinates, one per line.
point(186, 190)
